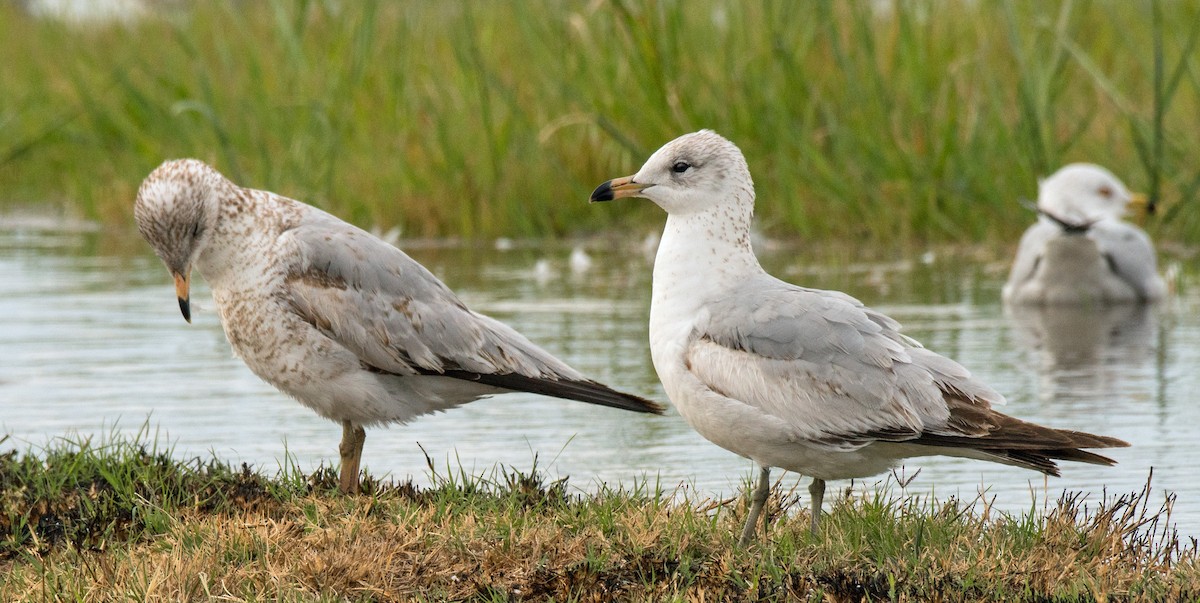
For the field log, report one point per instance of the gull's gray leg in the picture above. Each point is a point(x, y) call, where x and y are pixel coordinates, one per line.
point(756, 505)
point(816, 492)
point(353, 437)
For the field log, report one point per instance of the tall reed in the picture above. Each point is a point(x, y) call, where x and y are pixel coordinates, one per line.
point(899, 123)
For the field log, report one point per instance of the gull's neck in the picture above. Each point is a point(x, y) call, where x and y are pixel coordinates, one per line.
point(702, 256)
point(243, 242)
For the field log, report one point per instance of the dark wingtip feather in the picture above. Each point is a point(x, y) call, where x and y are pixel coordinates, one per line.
point(1081, 456)
point(1082, 439)
point(1016, 442)
point(591, 392)
point(1043, 460)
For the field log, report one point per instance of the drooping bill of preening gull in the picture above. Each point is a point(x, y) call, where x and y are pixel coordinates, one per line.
point(807, 380)
point(1080, 251)
point(345, 323)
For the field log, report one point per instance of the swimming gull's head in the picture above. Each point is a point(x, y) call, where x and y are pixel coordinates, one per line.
point(1083, 193)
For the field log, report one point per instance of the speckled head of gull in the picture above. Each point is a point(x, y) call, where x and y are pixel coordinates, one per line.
point(343, 322)
point(1080, 251)
point(806, 380)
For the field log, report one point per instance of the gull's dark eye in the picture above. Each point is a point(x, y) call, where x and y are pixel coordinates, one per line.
point(680, 167)
point(196, 230)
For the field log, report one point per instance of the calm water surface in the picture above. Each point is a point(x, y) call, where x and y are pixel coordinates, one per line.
point(91, 341)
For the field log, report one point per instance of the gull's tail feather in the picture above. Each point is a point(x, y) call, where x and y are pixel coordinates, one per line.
point(1043, 460)
point(1021, 443)
point(581, 391)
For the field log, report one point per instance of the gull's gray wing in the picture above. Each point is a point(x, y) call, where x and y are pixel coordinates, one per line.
point(835, 371)
point(1029, 254)
point(1130, 255)
point(399, 319)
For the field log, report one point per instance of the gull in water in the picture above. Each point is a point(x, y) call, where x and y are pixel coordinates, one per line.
point(346, 324)
point(806, 380)
point(1080, 251)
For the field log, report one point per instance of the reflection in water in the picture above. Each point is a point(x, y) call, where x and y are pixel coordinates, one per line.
point(1089, 357)
point(91, 337)
point(1077, 338)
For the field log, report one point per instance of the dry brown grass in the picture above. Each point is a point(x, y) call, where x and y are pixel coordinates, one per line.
point(518, 538)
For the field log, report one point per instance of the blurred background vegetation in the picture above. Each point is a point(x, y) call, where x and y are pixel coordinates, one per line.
point(898, 123)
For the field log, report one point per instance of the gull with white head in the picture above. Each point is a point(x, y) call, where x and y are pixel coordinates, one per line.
point(345, 323)
point(806, 380)
point(1080, 251)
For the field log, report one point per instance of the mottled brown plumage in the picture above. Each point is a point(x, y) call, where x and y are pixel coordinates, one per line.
point(347, 324)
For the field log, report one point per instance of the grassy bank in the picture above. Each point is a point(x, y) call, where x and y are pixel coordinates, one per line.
point(903, 123)
point(91, 521)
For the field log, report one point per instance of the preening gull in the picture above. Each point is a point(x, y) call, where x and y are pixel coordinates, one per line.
point(345, 323)
point(1080, 251)
point(806, 380)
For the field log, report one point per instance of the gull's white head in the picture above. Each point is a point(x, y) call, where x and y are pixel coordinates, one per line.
point(1083, 193)
point(692, 173)
point(176, 211)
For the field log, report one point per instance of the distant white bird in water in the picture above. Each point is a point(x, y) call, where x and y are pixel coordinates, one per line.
point(579, 260)
point(334, 317)
point(543, 271)
point(390, 236)
point(1080, 251)
point(807, 380)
